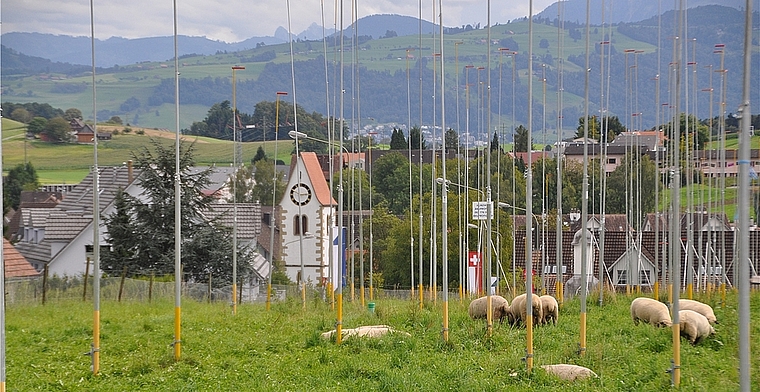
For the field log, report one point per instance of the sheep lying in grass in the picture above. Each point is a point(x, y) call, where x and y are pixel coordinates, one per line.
point(569, 372)
point(650, 311)
point(479, 306)
point(370, 331)
point(699, 307)
point(694, 326)
point(518, 310)
point(550, 309)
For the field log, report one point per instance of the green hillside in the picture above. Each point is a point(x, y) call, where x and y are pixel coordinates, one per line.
point(70, 163)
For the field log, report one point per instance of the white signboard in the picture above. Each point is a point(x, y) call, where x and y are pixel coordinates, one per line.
point(480, 210)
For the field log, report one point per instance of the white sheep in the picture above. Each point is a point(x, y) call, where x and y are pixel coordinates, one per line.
point(518, 310)
point(650, 311)
point(550, 309)
point(694, 326)
point(499, 306)
point(370, 331)
point(569, 372)
point(699, 307)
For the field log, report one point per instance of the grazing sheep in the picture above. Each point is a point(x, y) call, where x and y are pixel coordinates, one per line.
point(519, 311)
point(699, 307)
point(550, 309)
point(479, 306)
point(694, 326)
point(650, 311)
point(370, 331)
point(569, 372)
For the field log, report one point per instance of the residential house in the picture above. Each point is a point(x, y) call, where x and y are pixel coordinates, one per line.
point(713, 164)
point(16, 265)
point(59, 237)
point(86, 135)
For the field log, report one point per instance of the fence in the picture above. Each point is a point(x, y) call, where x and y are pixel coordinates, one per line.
point(130, 289)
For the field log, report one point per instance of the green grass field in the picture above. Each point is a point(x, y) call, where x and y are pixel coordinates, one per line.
point(70, 163)
point(281, 350)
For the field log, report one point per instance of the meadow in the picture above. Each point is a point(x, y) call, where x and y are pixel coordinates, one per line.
point(281, 350)
point(70, 163)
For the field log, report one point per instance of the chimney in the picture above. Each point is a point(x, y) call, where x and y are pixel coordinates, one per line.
point(130, 175)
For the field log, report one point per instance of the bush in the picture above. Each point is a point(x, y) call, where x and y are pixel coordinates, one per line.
point(140, 132)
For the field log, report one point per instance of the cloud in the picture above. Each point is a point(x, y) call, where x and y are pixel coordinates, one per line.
point(230, 21)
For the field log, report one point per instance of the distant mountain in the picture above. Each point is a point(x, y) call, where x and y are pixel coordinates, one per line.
point(623, 11)
point(379, 25)
point(121, 51)
point(15, 63)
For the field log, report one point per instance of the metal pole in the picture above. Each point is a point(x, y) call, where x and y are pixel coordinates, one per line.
point(742, 274)
point(95, 353)
point(444, 191)
point(274, 195)
point(2, 281)
point(487, 172)
point(235, 164)
point(371, 239)
point(675, 209)
point(298, 160)
point(177, 205)
point(529, 203)
point(584, 194)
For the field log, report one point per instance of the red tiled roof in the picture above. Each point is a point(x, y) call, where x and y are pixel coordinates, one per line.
point(16, 265)
point(321, 189)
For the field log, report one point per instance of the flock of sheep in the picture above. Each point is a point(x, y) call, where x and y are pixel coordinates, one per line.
point(695, 318)
point(545, 309)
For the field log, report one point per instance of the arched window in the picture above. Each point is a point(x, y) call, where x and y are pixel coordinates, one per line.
point(300, 226)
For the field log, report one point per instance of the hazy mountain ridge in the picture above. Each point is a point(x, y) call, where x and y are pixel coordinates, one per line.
point(623, 11)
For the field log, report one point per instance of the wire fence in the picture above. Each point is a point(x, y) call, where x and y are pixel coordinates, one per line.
point(136, 289)
point(146, 289)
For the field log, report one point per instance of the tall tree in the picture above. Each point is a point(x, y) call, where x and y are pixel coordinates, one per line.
point(390, 180)
point(57, 130)
point(263, 177)
point(260, 154)
point(451, 139)
point(398, 141)
point(415, 136)
point(37, 125)
point(495, 142)
point(23, 177)
point(593, 128)
point(147, 242)
point(521, 139)
point(72, 113)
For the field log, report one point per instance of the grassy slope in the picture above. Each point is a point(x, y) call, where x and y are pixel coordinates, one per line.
point(70, 163)
point(281, 350)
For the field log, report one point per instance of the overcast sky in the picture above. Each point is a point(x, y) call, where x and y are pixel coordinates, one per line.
point(232, 20)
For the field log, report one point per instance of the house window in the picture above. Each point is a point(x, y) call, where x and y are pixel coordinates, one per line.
point(622, 277)
point(611, 161)
point(300, 225)
point(267, 218)
point(552, 269)
point(645, 277)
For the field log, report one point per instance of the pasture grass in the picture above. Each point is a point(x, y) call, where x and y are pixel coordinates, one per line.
point(70, 163)
point(281, 350)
